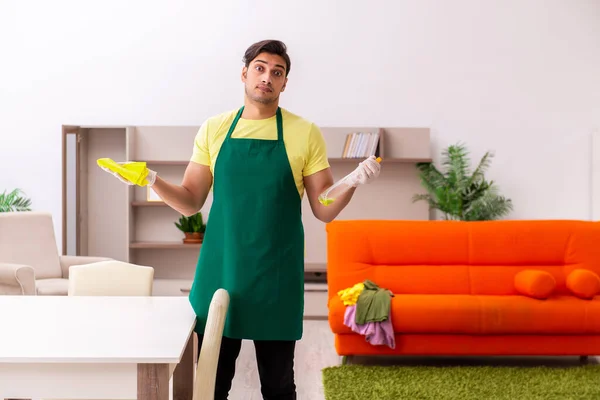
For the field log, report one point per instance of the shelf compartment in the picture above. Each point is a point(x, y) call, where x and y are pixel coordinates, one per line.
point(407, 160)
point(164, 245)
point(383, 160)
point(166, 162)
point(315, 267)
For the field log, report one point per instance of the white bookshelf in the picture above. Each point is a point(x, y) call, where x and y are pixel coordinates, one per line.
point(118, 221)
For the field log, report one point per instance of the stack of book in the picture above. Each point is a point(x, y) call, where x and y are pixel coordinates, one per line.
point(360, 145)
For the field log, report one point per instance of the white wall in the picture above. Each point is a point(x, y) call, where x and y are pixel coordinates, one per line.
point(517, 77)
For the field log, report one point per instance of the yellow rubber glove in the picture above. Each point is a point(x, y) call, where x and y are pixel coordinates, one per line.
point(130, 173)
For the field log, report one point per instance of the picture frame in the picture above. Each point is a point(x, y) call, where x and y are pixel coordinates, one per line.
point(151, 195)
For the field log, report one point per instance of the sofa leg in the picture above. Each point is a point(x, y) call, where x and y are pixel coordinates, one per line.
point(345, 360)
point(583, 359)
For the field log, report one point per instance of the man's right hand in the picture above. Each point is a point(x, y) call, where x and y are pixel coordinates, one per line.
point(150, 178)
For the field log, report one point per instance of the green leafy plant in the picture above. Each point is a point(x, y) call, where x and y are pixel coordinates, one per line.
point(459, 193)
point(191, 224)
point(14, 201)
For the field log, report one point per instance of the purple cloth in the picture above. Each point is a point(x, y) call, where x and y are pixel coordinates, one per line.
point(376, 333)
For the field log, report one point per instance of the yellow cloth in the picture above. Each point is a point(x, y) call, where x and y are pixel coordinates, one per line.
point(134, 171)
point(350, 295)
point(303, 140)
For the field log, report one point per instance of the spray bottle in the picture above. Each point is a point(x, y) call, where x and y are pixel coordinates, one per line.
point(337, 189)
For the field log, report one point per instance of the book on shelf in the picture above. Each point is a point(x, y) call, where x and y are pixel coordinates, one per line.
point(360, 144)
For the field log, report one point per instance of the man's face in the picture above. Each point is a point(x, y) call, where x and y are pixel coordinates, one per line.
point(265, 78)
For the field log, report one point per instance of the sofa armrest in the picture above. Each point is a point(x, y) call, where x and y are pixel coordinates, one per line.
point(68, 261)
point(17, 279)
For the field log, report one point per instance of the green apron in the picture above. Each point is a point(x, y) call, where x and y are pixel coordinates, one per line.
point(254, 241)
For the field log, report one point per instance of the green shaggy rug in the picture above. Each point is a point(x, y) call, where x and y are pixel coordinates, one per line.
point(353, 382)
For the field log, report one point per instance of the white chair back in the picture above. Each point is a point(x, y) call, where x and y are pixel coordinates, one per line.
point(110, 278)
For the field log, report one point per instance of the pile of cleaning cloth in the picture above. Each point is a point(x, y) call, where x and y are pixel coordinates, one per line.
point(368, 312)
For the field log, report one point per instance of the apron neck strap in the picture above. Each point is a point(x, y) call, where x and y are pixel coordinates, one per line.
point(279, 125)
point(239, 115)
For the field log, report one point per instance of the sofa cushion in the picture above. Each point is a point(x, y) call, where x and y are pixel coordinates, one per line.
point(535, 283)
point(52, 287)
point(584, 283)
point(476, 315)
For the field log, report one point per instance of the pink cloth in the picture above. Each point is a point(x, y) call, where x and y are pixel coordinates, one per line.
point(376, 333)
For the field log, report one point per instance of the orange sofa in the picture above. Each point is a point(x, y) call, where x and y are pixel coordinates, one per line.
point(458, 289)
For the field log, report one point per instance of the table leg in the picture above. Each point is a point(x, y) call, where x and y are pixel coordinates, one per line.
point(183, 376)
point(153, 382)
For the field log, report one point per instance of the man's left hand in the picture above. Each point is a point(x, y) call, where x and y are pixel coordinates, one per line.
point(366, 172)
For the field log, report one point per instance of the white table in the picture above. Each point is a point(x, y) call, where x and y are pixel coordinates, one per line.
point(80, 347)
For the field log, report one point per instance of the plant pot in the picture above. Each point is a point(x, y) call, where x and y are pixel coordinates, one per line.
point(193, 237)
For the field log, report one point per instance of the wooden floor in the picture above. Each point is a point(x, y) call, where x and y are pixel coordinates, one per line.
point(314, 352)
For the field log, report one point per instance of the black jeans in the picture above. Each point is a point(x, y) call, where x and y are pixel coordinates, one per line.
point(275, 360)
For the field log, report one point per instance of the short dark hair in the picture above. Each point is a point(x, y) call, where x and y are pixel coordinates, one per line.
point(268, 46)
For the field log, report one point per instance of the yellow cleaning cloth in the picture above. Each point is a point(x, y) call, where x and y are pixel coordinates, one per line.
point(350, 295)
point(134, 172)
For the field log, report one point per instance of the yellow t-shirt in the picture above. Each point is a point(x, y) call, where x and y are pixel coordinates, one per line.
point(303, 140)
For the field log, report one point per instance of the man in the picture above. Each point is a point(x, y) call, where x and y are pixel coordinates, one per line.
point(258, 161)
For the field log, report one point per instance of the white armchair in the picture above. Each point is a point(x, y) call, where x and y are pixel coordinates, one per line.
point(30, 263)
point(17, 279)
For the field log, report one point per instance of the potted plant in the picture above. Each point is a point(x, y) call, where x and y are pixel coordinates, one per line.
point(459, 193)
point(14, 201)
point(193, 227)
